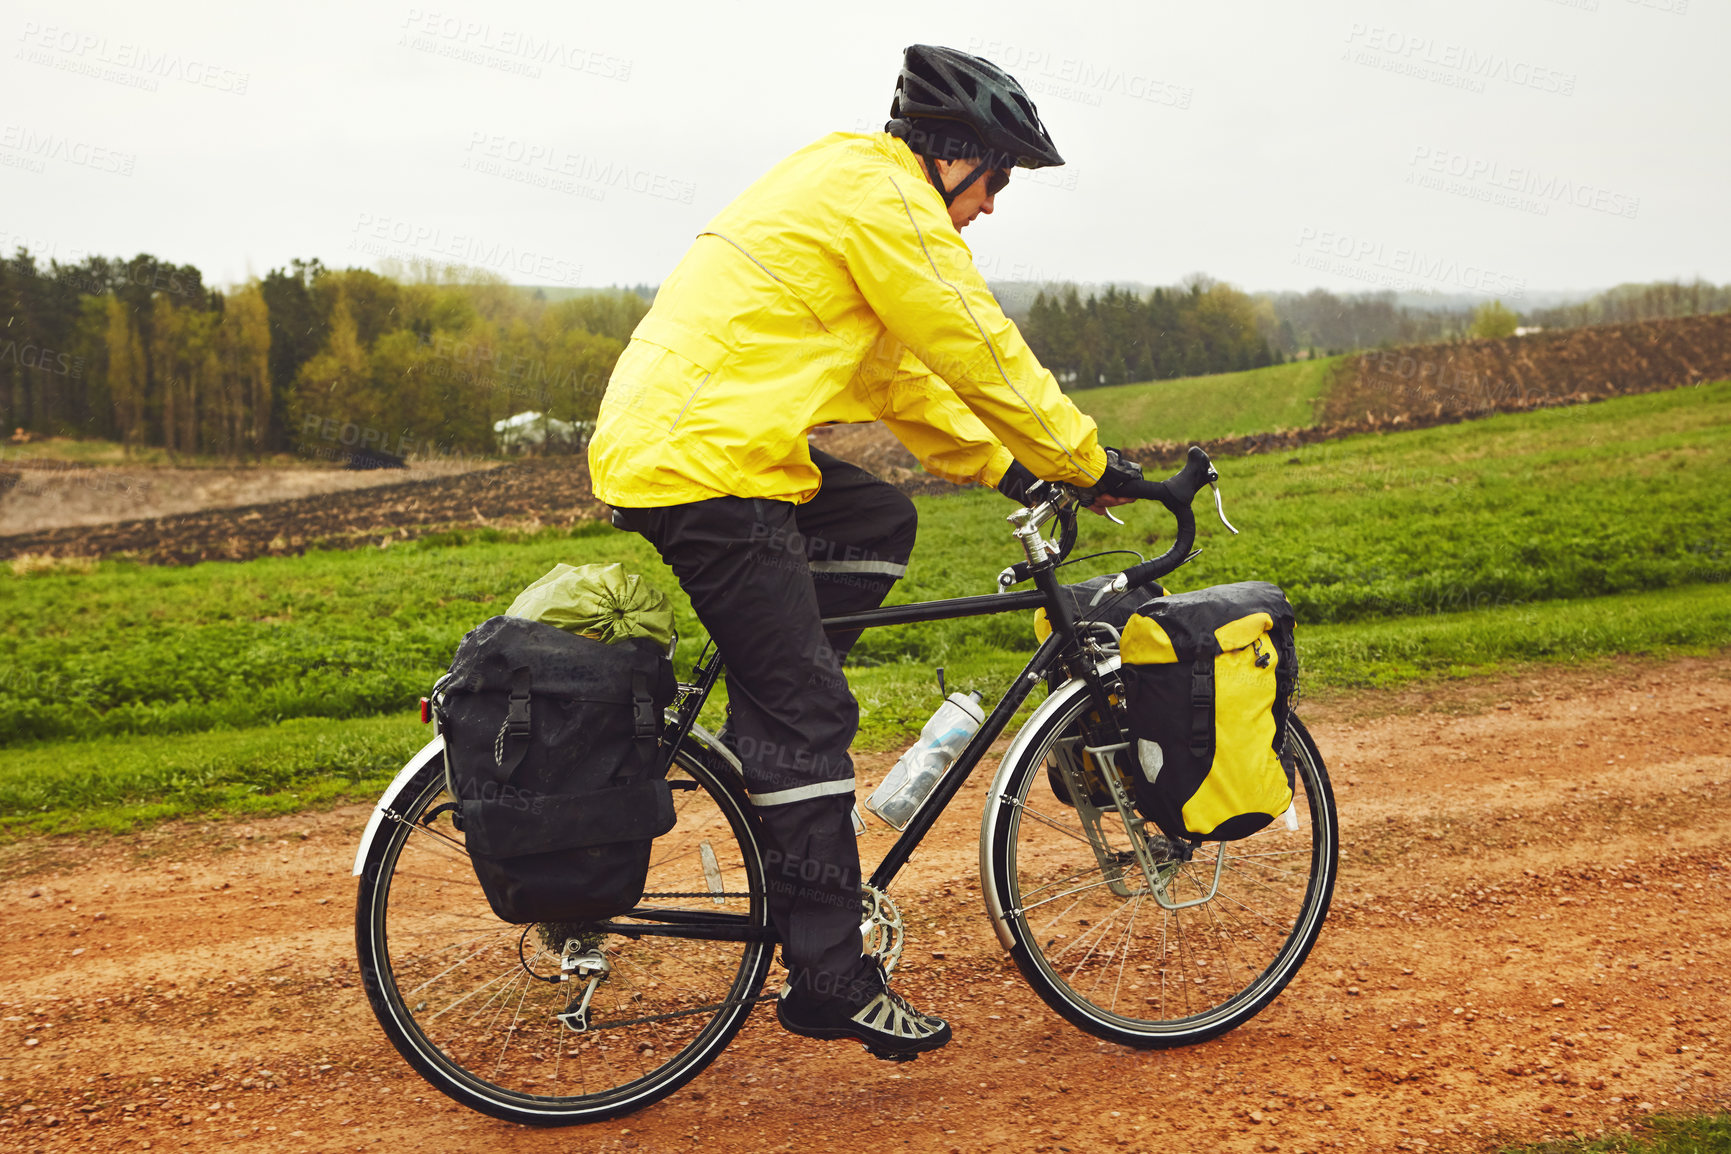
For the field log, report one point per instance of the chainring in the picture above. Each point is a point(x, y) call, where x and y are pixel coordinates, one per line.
point(882, 927)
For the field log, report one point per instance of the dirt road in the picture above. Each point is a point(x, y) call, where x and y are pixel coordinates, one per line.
point(1530, 939)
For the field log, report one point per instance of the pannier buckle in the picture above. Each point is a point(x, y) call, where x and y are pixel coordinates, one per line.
point(517, 716)
point(642, 708)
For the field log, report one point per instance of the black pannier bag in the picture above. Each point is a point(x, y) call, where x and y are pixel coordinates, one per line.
point(1209, 678)
point(551, 754)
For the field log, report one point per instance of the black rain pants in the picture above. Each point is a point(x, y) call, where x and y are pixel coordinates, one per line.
point(761, 576)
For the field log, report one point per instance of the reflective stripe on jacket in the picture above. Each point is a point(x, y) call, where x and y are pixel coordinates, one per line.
point(833, 290)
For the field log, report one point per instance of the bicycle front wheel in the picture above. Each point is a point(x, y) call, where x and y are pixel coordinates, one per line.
point(1095, 943)
point(473, 1002)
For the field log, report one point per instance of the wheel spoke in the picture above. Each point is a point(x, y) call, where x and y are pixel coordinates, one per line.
point(1188, 973)
point(1064, 828)
point(1104, 881)
point(476, 1004)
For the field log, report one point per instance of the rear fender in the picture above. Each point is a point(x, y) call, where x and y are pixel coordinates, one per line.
point(433, 748)
point(720, 758)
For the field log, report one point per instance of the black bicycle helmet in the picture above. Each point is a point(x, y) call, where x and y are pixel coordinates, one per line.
point(943, 84)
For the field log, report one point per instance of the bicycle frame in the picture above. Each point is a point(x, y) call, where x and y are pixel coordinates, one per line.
point(1062, 645)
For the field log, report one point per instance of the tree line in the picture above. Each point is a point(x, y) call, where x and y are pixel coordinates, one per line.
point(315, 360)
point(1330, 323)
point(1637, 302)
point(1125, 334)
point(306, 359)
point(1121, 336)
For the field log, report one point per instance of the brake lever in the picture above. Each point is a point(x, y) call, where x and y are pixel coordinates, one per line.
point(1111, 516)
point(1219, 508)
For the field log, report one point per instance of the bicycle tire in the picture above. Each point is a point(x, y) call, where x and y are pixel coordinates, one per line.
point(442, 972)
point(1181, 977)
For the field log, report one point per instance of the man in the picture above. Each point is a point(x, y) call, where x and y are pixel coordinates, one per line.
point(836, 289)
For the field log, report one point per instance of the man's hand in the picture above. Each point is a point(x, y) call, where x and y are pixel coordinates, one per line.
point(1121, 473)
point(1103, 503)
point(1019, 484)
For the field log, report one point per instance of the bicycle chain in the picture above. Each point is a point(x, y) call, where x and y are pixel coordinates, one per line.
point(682, 1013)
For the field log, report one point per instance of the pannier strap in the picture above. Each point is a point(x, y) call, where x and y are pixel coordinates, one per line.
point(516, 727)
point(1202, 709)
point(516, 822)
point(644, 715)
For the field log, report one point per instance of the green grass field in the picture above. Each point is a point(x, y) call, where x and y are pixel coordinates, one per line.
point(1204, 408)
point(131, 693)
point(1661, 1134)
point(78, 451)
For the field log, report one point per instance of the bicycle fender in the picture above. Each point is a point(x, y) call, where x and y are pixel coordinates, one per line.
point(709, 742)
point(433, 748)
point(997, 799)
point(436, 748)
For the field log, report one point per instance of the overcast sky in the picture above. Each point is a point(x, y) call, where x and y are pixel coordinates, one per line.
point(1495, 147)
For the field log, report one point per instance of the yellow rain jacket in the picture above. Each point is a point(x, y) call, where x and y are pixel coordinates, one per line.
point(834, 290)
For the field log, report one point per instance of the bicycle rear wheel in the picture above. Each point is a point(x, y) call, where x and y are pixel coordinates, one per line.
point(471, 1001)
point(1096, 945)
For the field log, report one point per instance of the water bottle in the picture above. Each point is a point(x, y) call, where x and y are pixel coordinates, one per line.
point(914, 777)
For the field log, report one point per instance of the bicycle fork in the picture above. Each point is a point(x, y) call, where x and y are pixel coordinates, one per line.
point(1157, 858)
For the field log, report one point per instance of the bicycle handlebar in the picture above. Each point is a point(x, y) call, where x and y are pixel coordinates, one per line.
point(1176, 493)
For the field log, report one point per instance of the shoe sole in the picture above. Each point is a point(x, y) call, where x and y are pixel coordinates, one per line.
point(902, 1050)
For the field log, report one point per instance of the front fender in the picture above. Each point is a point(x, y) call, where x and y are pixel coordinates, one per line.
point(997, 807)
point(433, 748)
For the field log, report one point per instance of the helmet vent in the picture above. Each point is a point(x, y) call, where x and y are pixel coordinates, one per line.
point(944, 84)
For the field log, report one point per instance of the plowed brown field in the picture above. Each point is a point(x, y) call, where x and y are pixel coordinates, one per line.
point(47, 494)
point(1529, 939)
point(528, 494)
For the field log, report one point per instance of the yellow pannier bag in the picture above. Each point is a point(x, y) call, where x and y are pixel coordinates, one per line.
point(1209, 678)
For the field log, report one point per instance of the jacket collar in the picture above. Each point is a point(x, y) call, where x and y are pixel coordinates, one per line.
point(898, 151)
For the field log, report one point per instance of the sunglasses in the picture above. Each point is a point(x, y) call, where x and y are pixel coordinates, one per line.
point(995, 183)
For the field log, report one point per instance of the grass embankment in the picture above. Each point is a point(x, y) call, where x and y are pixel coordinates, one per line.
point(1661, 1134)
point(1285, 396)
point(133, 692)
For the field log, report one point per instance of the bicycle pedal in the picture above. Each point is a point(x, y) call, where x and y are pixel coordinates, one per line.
point(889, 1055)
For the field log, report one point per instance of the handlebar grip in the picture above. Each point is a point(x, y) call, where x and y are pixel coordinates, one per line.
point(1175, 492)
